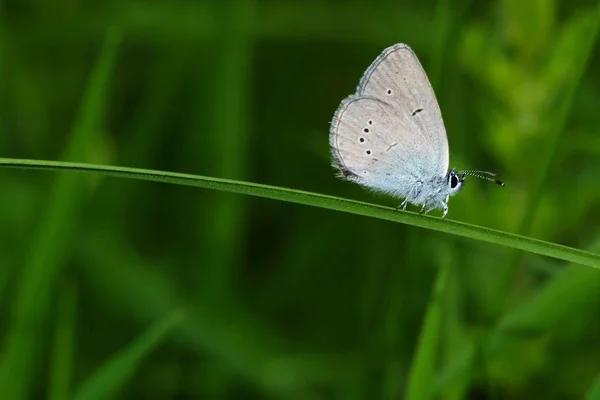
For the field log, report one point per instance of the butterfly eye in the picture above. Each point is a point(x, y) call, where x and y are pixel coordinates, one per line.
point(453, 181)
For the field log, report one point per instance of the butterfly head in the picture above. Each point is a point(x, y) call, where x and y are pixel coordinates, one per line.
point(455, 181)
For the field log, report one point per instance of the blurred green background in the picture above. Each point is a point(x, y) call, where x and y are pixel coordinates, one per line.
point(133, 290)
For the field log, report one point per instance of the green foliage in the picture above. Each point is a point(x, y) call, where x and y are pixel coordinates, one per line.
point(114, 373)
point(283, 301)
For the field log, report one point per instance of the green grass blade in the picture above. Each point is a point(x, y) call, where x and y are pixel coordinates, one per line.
point(61, 367)
point(21, 348)
point(116, 372)
point(457, 371)
point(571, 290)
point(594, 392)
point(324, 201)
point(232, 95)
point(457, 333)
point(422, 374)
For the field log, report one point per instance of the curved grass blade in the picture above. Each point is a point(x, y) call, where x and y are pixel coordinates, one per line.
point(115, 373)
point(422, 374)
point(594, 392)
point(324, 201)
point(61, 363)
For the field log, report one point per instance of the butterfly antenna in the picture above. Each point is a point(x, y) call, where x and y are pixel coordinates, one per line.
point(482, 175)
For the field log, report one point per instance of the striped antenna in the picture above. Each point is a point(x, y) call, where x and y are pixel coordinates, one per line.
point(482, 175)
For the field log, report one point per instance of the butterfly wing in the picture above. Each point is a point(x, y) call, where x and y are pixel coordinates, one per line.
point(368, 145)
point(398, 78)
point(390, 133)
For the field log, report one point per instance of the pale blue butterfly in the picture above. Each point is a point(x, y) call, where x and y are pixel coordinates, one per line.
point(389, 136)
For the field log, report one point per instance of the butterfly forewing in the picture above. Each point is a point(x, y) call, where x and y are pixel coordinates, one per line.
point(397, 77)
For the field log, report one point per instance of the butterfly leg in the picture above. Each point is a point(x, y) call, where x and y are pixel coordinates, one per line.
point(403, 205)
point(405, 202)
point(445, 206)
point(424, 210)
